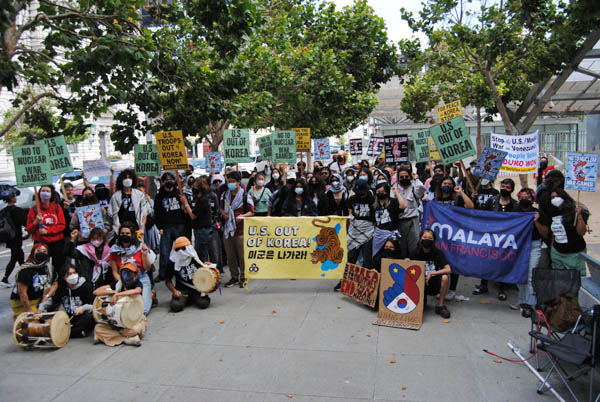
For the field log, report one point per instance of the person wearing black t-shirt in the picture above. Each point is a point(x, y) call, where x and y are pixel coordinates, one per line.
point(201, 215)
point(31, 278)
point(484, 193)
point(437, 270)
point(17, 218)
point(387, 209)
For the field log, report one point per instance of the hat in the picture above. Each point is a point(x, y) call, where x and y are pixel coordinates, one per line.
point(181, 242)
point(291, 175)
point(361, 186)
point(130, 266)
point(7, 195)
point(217, 177)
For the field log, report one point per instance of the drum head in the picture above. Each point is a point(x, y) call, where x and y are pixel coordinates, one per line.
point(95, 307)
point(133, 311)
point(204, 280)
point(16, 326)
point(60, 329)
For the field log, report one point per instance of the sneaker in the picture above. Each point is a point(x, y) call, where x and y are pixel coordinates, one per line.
point(337, 287)
point(501, 295)
point(133, 341)
point(450, 295)
point(442, 311)
point(526, 312)
point(479, 290)
point(241, 284)
point(4, 283)
point(231, 282)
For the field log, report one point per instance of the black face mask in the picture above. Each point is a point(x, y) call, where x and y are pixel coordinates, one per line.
point(40, 257)
point(387, 253)
point(88, 199)
point(169, 185)
point(125, 239)
point(505, 193)
point(427, 243)
point(404, 182)
point(195, 191)
point(340, 159)
point(525, 203)
point(543, 165)
point(382, 196)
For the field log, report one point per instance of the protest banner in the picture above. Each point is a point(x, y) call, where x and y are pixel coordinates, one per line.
point(396, 148)
point(236, 146)
point(283, 146)
point(147, 162)
point(356, 147)
point(295, 247)
point(375, 146)
point(434, 155)
point(265, 147)
point(322, 151)
point(581, 171)
point(171, 150)
point(401, 294)
point(90, 217)
point(214, 162)
point(32, 165)
point(452, 140)
point(361, 284)
point(449, 111)
point(302, 139)
point(421, 147)
point(484, 244)
point(522, 152)
point(96, 167)
point(60, 159)
point(489, 163)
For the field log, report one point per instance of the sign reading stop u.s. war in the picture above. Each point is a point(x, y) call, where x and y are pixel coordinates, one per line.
point(453, 140)
point(522, 151)
point(171, 150)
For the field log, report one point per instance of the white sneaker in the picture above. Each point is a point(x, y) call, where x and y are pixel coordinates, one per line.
point(450, 295)
point(4, 283)
point(133, 341)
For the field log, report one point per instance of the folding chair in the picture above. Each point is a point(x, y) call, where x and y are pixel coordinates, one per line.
point(579, 350)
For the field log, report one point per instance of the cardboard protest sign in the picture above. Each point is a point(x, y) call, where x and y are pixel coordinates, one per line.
point(421, 147)
point(60, 159)
point(284, 146)
point(581, 171)
point(322, 151)
point(434, 155)
point(356, 147)
point(295, 247)
point(375, 146)
point(32, 165)
point(522, 151)
point(266, 147)
point(361, 284)
point(90, 217)
point(452, 140)
point(214, 162)
point(489, 163)
point(449, 111)
point(147, 162)
point(96, 167)
point(401, 294)
point(236, 145)
point(396, 148)
point(302, 139)
point(171, 150)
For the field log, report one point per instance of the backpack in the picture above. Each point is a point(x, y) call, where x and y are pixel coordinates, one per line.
point(7, 226)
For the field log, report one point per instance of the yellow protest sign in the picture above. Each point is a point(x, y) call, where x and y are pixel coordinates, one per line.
point(302, 139)
point(171, 150)
point(449, 111)
point(434, 155)
point(295, 247)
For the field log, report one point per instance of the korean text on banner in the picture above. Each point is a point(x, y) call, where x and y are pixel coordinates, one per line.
point(171, 150)
point(214, 162)
point(32, 165)
point(434, 155)
point(356, 147)
point(265, 147)
point(295, 247)
point(236, 145)
point(421, 147)
point(489, 163)
point(90, 217)
point(401, 294)
point(522, 151)
point(60, 159)
point(284, 146)
point(581, 171)
point(375, 146)
point(96, 167)
point(361, 284)
point(147, 162)
point(449, 111)
point(452, 140)
point(396, 148)
point(484, 244)
point(322, 151)
point(302, 139)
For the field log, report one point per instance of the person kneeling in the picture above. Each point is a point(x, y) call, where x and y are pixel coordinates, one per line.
point(183, 264)
point(437, 270)
point(129, 285)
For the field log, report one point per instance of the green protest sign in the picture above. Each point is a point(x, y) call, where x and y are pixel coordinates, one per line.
point(421, 147)
point(236, 146)
point(60, 160)
point(32, 165)
point(147, 162)
point(453, 140)
point(265, 147)
point(284, 146)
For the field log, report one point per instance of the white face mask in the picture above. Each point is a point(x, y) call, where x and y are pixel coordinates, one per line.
point(127, 182)
point(260, 183)
point(485, 182)
point(350, 179)
point(275, 176)
point(97, 243)
point(72, 279)
point(557, 202)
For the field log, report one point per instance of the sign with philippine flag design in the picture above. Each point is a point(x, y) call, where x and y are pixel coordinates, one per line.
point(295, 247)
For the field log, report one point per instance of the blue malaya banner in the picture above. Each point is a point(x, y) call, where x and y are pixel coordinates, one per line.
point(483, 244)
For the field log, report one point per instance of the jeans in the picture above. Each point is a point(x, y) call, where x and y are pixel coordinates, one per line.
point(202, 240)
point(170, 233)
point(146, 292)
point(526, 293)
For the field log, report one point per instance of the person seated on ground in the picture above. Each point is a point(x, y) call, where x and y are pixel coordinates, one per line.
point(30, 280)
point(391, 249)
point(183, 264)
point(437, 270)
point(127, 285)
point(75, 295)
point(93, 258)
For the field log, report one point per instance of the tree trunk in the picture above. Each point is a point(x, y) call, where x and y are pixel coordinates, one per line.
point(478, 139)
point(217, 129)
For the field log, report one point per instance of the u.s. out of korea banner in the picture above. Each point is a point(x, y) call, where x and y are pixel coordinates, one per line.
point(295, 247)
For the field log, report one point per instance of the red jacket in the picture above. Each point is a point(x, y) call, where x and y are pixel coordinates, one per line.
point(53, 220)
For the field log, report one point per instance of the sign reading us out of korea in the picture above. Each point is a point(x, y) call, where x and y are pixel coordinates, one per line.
point(171, 150)
point(453, 140)
point(236, 145)
point(60, 160)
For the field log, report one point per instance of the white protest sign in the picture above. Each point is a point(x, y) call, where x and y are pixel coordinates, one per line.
point(522, 151)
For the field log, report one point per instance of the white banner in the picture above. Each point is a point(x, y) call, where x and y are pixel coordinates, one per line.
point(522, 151)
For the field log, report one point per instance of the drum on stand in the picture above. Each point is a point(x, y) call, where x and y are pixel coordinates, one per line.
point(42, 330)
point(125, 313)
point(206, 280)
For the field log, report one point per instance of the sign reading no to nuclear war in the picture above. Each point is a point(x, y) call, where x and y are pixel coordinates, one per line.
point(284, 146)
point(32, 165)
point(453, 140)
point(60, 160)
point(236, 145)
point(171, 150)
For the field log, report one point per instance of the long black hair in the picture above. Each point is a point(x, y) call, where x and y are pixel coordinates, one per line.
point(133, 228)
point(123, 175)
